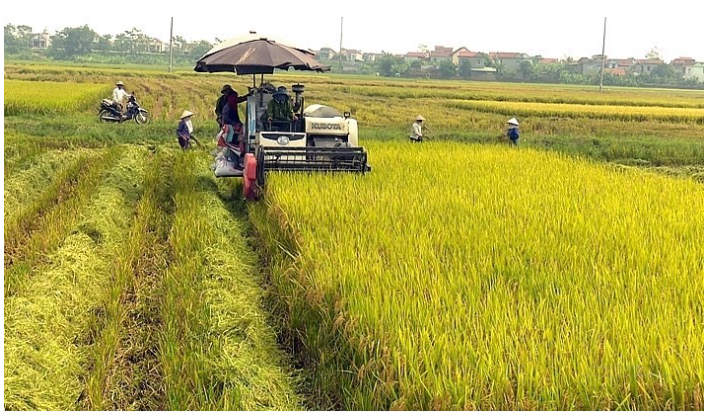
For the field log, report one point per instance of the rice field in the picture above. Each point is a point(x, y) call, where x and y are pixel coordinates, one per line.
point(50, 97)
point(519, 280)
point(459, 274)
point(619, 113)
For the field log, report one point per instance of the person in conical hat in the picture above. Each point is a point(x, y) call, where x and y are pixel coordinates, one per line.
point(185, 129)
point(417, 130)
point(513, 131)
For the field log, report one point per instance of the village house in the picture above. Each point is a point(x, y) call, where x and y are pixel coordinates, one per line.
point(326, 53)
point(372, 57)
point(682, 65)
point(411, 57)
point(351, 55)
point(41, 40)
point(510, 61)
point(476, 59)
point(645, 66)
point(695, 72)
point(441, 54)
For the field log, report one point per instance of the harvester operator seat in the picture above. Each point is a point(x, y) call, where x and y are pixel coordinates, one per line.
point(279, 115)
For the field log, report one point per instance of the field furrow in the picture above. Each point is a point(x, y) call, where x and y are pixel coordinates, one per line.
point(55, 314)
point(36, 230)
point(218, 351)
point(125, 372)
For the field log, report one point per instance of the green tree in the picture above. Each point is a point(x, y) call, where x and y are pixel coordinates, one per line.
point(389, 65)
point(465, 68)
point(104, 43)
point(526, 70)
point(447, 69)
point(501, 69)
point(122, 42)
point(17, 38)
point(487, 60)
point(73, 41)
point(654, 53)
point(665, 73)
point(200, 49)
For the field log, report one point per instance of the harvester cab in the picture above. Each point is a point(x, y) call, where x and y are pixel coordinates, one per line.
point(319, 139)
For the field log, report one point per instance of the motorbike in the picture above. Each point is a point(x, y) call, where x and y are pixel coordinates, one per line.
point(109, 112)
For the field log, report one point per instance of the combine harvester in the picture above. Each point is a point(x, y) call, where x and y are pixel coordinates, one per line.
point(319, 140)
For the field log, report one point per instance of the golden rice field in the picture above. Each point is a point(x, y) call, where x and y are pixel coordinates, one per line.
point(50, 97)
point(502, 279)
point(459, 274)
point(620, 113)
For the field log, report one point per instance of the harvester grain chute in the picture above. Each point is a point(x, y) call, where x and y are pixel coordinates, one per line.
point(320, 139)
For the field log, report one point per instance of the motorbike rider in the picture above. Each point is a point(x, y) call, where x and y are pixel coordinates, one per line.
point(119, 97)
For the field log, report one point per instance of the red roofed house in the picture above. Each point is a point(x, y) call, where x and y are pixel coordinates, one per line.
point(511, 61)
point(476, 59)
point(619, 67)
point(625, 64)
point(548, 61)
point(683, 64)
point(441, 54)
point(411, 57)
point(645, 66)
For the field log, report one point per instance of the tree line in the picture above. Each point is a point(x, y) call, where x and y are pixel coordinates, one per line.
point(531, 71)
point(86, 45)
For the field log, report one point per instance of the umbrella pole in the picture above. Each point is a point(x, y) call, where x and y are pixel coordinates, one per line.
point(254, 80)
point(261, 79)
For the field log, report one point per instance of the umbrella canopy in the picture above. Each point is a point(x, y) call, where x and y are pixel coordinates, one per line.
point(251, 55)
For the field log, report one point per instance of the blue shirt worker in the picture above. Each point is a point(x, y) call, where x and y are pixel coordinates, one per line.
point(513, 131)
point(184, 130)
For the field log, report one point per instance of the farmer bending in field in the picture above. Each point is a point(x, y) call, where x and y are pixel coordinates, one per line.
point(417, 130)
point(513, 131)
point(185, 129)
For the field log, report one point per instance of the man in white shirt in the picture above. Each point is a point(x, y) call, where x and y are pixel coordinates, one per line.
point(417, 130)
point(119, 96)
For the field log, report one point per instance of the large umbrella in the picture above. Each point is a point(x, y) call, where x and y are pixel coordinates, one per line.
point(256, 55)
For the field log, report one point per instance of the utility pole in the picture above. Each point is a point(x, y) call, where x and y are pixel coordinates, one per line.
point(341, 37)
point(602, 69)
point(172, 21)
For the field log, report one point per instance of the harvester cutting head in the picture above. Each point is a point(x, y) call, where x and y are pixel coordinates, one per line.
point(320, 139)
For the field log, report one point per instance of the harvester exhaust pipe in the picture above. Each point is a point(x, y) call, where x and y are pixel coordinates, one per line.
point(299, 89)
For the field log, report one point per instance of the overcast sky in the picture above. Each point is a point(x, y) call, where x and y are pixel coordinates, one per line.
point(567, 28)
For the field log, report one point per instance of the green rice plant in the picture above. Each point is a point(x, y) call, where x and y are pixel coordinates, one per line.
point(501, 279)
point(23, 97)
